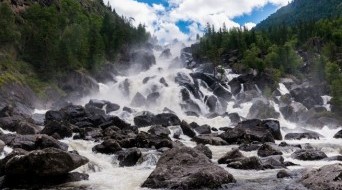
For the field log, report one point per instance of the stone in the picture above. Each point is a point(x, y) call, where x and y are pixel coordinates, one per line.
point(268, 150)
point(128, 157)
point(309, 154)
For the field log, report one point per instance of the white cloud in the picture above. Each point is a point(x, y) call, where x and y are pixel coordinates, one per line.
point(161, 21)
point(249, 25)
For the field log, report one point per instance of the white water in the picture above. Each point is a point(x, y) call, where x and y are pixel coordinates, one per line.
point(104, 172)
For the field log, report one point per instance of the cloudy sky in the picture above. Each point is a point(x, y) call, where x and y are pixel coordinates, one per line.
point(184, 19)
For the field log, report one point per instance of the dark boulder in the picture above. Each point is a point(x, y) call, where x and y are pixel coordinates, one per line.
point(110, 107)
point(186, 168)
point(299, 136)
point(128, 157)
point(203, 129)
point(273, 162)
point(221, 92)
point(231, 156)
point(107, 147)
point(159, 131)
point(205, 150)
point(235, 86)
point(309, 154)
point(52, 115)
point(27, 128)
point(144, 119)
point(268, 150)
point(249, 147)
point(152, 98)
point(234, 117)
point(338, 135)
point(283, 174)
point(249, 163)
point(232, 136)
point(211, 139)
point(253, 131)
point(262, 109)
point(326, 177)
point(55, 127)
point(166, 119)
point(46, 162)
point(146, 140)
point(187, 130)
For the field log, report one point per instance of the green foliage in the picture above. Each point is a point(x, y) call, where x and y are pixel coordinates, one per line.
point(8, 31)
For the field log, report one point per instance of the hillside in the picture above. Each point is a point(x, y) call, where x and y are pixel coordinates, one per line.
point(301, 11)
point(43, 41)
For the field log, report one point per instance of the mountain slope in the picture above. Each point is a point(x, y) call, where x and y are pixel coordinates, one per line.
point(299, 11)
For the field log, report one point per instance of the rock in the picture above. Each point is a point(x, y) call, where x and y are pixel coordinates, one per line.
point(235, 86)
point(273, 162)
point(138, 100)
point(205, 150)
point(96, 103)
point(55, 127)
point(231, 156)
point(232, 136)
point(253, 130)
point(187, 129)
point(109, 146)
point(144, 119)
point(326, 177)
point(212, 139)
point(234, 117)
point(249, 147)
point(283, 174)
point(309, 154)
point(146, 140)
point(250, 163)
point(203, 129)
point(159, 131)
point(166, 119)
point(221, 92)
point(111, 107)
point(27, 128)
point(186, 168)
point(153, 97)
point(163, 81)
point(274, 127)
point(52, 115)
point(211, 102)
point(7, 111)
point(299, 136)
point(142, 59)
point(46, 162)
point(268, 150)
point(338, 135)
point(2, 146)
point(10, 123)
point(166, 54)
point(262, 109)
point(128, 157)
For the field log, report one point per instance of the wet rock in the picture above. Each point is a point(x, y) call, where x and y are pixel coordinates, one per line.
point(299, 136)
point(274, 127)
point(235, 86)
point(163, 81)
point(153, 97)
point(55, 127)
point(138, 100)
point(128, 157)
point(2, 145)
point(234, 117)
point(142, 59)
point(211, 102)
point(309, 154)
point(249, 147)
point(166, 54)
point(7, 111)
point(221, 92)
point(250, 163)
point(203, 129)
point(208, 79)
point(159, 131)
point(338, 135)
point(10, 123)
point(205, 150)
point(144, 119)
point(97, 103)
point(326, 177)
point(262, 109)
point(187, 130)
point(231, 156)
point(107, 147)
point(146, 140)
point(46, 162)
point(27, 128)
point(232, 136)
point(283, 174)
point(52, 115)
point(111, 107)
point(212, 139)
point(166, 119)
point(273, 162)
point(252, 130)
point(186, 168)
point(268, 150)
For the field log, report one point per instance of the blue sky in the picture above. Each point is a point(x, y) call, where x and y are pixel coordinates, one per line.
point(184, 19)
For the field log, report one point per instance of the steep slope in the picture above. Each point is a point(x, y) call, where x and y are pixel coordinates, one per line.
point(299, 11)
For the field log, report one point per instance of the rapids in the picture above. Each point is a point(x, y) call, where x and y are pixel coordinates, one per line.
point(104, 171)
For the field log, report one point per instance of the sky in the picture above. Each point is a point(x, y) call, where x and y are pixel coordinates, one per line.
point(184, 19)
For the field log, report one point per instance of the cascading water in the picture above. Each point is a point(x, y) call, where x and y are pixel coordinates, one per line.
point(104, 171)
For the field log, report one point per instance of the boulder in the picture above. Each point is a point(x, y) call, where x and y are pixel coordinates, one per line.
point(299, 136)
point(221, 92)
point(205, 150)
point(52, 115)
point(231, 156)
point(46, 162)
point(159, 131)
point(246, 163)
point(54, 127)
point(187, 130)
point(144, 119)
point(338, 135)
point(326, 177)
point(166, 119)
point(309, 154)
point(234, 117)
point(109, 146)
point(262, 109)
point(27, 128)
point(283, 174)
point(186, 168)
point(268, 150)
point(273, 162)
point(138, 100)
point(233, 136)
point(110, 107)
point(166, 54)
point(212, 139)
point(153, 97)
point(146, 140)
point(203, 129)
point(128, 157)
point(249, 147)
